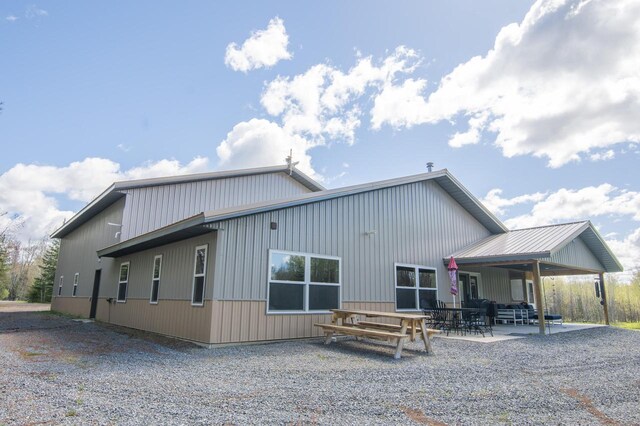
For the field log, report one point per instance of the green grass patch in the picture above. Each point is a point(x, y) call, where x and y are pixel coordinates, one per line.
point(628, 325)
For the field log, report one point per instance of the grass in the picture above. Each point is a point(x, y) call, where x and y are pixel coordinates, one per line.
point(628, 325)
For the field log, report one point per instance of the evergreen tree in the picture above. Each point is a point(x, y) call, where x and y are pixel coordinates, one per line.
point(42, 288)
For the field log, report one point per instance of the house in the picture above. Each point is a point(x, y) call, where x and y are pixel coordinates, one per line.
point(263, 254)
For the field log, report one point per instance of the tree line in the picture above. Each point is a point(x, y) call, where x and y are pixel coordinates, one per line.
point(576, 299)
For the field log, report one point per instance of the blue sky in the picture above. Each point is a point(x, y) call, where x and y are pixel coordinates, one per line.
point(543, 98)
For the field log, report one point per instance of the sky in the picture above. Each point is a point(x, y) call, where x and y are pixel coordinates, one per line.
point(532, 105)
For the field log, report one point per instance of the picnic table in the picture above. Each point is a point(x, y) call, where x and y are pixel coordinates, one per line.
point(347, 321)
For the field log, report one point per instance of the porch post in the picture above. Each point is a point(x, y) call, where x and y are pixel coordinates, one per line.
point(604, 299)
point(537, 290)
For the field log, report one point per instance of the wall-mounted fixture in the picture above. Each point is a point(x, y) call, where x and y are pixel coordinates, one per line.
point(274, 226)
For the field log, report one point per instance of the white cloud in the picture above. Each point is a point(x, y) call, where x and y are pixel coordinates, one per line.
point(312, 109)
point(567, 205)
point(496, 203)
point(260, 142)
point(399, 105)
point(264, 48)
point(602, 156)
point(627, 250)
point(579, 204)
point(29, 193)
point(11, 18)
point(560, 84)
point(34, 11)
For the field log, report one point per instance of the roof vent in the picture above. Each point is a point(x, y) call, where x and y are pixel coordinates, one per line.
point(429, 166)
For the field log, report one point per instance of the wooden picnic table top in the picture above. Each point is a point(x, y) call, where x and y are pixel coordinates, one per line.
point(372, 314)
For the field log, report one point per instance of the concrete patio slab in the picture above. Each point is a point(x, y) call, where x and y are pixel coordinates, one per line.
point(502, 332)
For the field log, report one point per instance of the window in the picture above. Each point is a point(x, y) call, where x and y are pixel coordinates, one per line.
point(303, 282)
point(155, 278)
point(75, 284)
point(123, 280)
point(60, 285)
point(416, 287)
point(199, 272)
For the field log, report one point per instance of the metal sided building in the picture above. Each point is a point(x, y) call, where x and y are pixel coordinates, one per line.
point(263, 254)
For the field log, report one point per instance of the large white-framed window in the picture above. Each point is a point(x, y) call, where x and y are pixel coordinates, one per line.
point(155, 279)
point(76, 277)
point(60, 283)
point(123, 281)
point(303, 282)
point(199, 276)
point(416, 287)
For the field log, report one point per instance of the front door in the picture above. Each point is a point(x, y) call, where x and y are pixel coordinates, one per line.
point(468, 287)
point(94, 295)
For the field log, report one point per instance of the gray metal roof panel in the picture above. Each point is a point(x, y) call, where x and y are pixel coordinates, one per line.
point(536, 243)
point(295, 173)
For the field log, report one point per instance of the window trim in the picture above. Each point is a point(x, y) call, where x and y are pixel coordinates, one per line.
point(203, 275)
point(60, 284)
point(306, 282)
point(153, 278)
point(76, 278)
point(126, 290)
point(416, 288)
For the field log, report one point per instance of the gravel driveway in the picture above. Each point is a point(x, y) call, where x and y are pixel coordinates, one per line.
point(56, 370)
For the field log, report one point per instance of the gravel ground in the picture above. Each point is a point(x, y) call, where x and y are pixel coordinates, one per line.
point(59, 371)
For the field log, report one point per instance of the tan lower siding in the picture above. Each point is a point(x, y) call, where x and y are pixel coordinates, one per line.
point(176, 318)
point(247, 321)
point(77, 306)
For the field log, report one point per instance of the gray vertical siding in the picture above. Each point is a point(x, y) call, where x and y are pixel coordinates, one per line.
point(153, 207)
point(494, 283)
point(416, 223)
point(177, 270)
point(78, 250)
point(576, 253)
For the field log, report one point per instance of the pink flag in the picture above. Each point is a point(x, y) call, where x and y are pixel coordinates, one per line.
point(453, 276)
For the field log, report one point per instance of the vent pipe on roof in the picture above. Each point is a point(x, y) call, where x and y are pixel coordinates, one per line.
point(429, 166)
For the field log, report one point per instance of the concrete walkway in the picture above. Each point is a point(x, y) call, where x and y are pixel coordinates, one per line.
point(503, 332)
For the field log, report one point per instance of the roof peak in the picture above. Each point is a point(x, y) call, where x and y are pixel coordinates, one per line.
point(550, 226)
point(220, 174)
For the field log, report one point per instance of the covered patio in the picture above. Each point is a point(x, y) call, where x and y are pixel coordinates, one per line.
point(547, 251)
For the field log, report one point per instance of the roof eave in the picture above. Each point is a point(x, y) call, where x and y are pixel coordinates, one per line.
point(74, 221)
point(144, 239)
point(497, 259)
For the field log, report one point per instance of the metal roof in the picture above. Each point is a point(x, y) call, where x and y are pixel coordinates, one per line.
point(112, 193)
point(537, 243)
point(442, 177)
point(187, 228)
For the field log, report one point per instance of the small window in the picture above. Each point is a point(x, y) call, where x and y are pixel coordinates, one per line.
point(61, 282)
point(75, 284)
point(416, 287)
point(155, 278)
point(303, 282)
point(123, 280)
point(199, 273)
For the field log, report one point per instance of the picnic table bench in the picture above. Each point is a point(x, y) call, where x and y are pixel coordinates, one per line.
point(345, 321)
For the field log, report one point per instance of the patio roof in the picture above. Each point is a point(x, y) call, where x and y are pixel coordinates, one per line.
point(518, 247)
